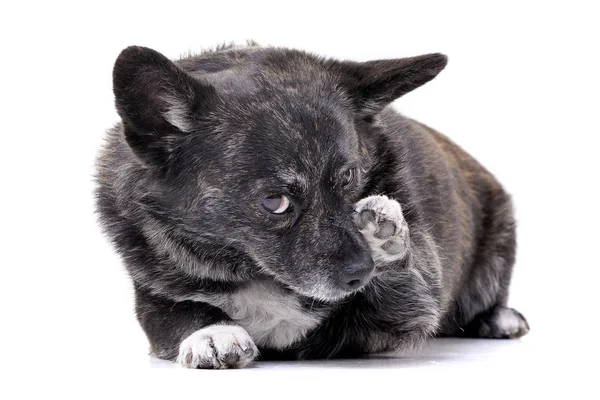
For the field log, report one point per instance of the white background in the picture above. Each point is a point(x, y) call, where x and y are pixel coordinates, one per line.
point(520, 93)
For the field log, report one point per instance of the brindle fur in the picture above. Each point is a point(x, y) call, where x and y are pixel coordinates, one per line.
point(205, 138)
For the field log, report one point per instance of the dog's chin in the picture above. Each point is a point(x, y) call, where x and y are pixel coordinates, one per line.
point(326, 293)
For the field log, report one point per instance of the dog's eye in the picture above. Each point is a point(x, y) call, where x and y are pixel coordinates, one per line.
point(348, 177)
point(278, 204)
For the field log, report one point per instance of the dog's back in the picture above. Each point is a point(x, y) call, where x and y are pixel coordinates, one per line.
point(478, 218)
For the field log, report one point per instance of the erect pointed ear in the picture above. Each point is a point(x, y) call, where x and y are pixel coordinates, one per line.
point(158, 102)
point(375, 84)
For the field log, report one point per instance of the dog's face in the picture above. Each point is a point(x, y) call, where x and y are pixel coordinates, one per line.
point(266, 156)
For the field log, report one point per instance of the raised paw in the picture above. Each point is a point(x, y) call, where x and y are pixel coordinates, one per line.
point(499, 323)
point(218, 347)
point(382, 223)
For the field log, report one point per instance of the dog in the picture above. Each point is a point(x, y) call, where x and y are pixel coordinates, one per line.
point(269, 203)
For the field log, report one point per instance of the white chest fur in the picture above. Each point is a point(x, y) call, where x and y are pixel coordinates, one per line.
point(273, 317)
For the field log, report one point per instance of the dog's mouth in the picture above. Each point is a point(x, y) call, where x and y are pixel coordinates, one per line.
point(329, 287)
point(331, 291)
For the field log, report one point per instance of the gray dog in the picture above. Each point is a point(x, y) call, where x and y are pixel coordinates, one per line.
point(268, 201)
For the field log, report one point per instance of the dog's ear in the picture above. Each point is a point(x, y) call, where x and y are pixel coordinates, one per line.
point(375, 84)
point(158, 102)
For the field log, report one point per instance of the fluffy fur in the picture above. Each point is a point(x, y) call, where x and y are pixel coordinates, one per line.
point(394, 233)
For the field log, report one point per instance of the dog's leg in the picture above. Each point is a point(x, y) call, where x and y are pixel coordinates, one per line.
point(480, 309)
point(194, 334)
point(405, 295)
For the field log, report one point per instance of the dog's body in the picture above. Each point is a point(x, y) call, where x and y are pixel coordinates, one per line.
point(391, 233)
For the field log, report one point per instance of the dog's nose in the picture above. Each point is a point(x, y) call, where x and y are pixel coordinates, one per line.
point(355, 275)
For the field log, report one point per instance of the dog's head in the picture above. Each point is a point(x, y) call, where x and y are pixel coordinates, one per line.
point(264, 151)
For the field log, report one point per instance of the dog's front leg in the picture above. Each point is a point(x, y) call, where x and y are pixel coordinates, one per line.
point(194, 334)
point(407, 287)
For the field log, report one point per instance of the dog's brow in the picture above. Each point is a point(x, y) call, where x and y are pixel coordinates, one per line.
point(297, 187)
point(292, 179)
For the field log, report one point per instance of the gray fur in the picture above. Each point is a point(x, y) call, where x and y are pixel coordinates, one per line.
point(418, 242)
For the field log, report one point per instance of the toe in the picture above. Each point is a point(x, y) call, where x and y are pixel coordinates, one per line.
point(392, 247)
point(230, 358)
point(366, 217)
point(385, 230)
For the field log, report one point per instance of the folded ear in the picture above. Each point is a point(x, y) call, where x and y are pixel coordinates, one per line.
point(375, 84)
point(157, 101)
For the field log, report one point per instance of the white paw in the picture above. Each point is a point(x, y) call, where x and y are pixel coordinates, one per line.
point(382, 223)
point(219, 347)
point(504, 322)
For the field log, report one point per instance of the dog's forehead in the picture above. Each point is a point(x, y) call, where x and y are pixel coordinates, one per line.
point(299, 132)
point(287, 141)
point(282, 116)
point(249, 71)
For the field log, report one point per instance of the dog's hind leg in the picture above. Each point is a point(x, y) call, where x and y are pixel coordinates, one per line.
point(481, 305)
